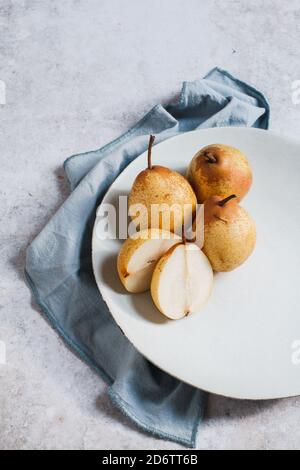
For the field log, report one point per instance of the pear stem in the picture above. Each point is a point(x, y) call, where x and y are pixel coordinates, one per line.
point(210, 158)
point(183, 236)
point(151, 142)
point(222, 203)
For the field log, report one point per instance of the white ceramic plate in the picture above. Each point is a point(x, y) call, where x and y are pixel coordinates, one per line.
point(243, 344)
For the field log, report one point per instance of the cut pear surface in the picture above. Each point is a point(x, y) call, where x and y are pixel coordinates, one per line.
point(182, 281)
point(139, 255)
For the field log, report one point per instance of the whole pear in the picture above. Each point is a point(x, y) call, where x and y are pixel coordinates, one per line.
point(162, 192)
point(219, 170)
point(229, 233)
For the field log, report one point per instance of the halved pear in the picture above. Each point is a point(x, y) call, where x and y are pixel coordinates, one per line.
point(139, 255)
point(182, 281)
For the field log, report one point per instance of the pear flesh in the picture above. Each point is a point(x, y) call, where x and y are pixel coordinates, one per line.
point(182, 281)
point(139, 255)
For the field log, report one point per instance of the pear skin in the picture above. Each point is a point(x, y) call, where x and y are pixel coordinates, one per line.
point(139, 255)
point(160, 186)
point(182, 281)
point(219, 170)
point(229, 233)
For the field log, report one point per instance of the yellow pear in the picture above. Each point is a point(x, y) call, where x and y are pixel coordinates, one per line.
point(182, 281)
point(139, 255)
point(219, 170)
point(229, 233)
point(161, 198)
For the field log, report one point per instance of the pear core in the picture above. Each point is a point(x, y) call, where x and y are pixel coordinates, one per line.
point(139, 255)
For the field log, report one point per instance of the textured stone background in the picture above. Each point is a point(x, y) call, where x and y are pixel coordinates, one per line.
point(78, 73)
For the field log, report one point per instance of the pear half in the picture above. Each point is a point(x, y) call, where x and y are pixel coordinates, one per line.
point(182, 281)
point(139, 255)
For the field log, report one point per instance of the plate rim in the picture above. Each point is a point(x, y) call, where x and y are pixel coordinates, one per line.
point(291, 140)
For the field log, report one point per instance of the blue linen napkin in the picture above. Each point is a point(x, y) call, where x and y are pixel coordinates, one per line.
point(59, 271)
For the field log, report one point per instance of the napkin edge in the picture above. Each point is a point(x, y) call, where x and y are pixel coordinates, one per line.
point(122, 406)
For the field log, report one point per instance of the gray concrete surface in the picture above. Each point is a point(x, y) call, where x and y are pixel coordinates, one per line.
point(77, 74)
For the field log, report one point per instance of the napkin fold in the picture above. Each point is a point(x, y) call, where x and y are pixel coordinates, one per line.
point(59, 270)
